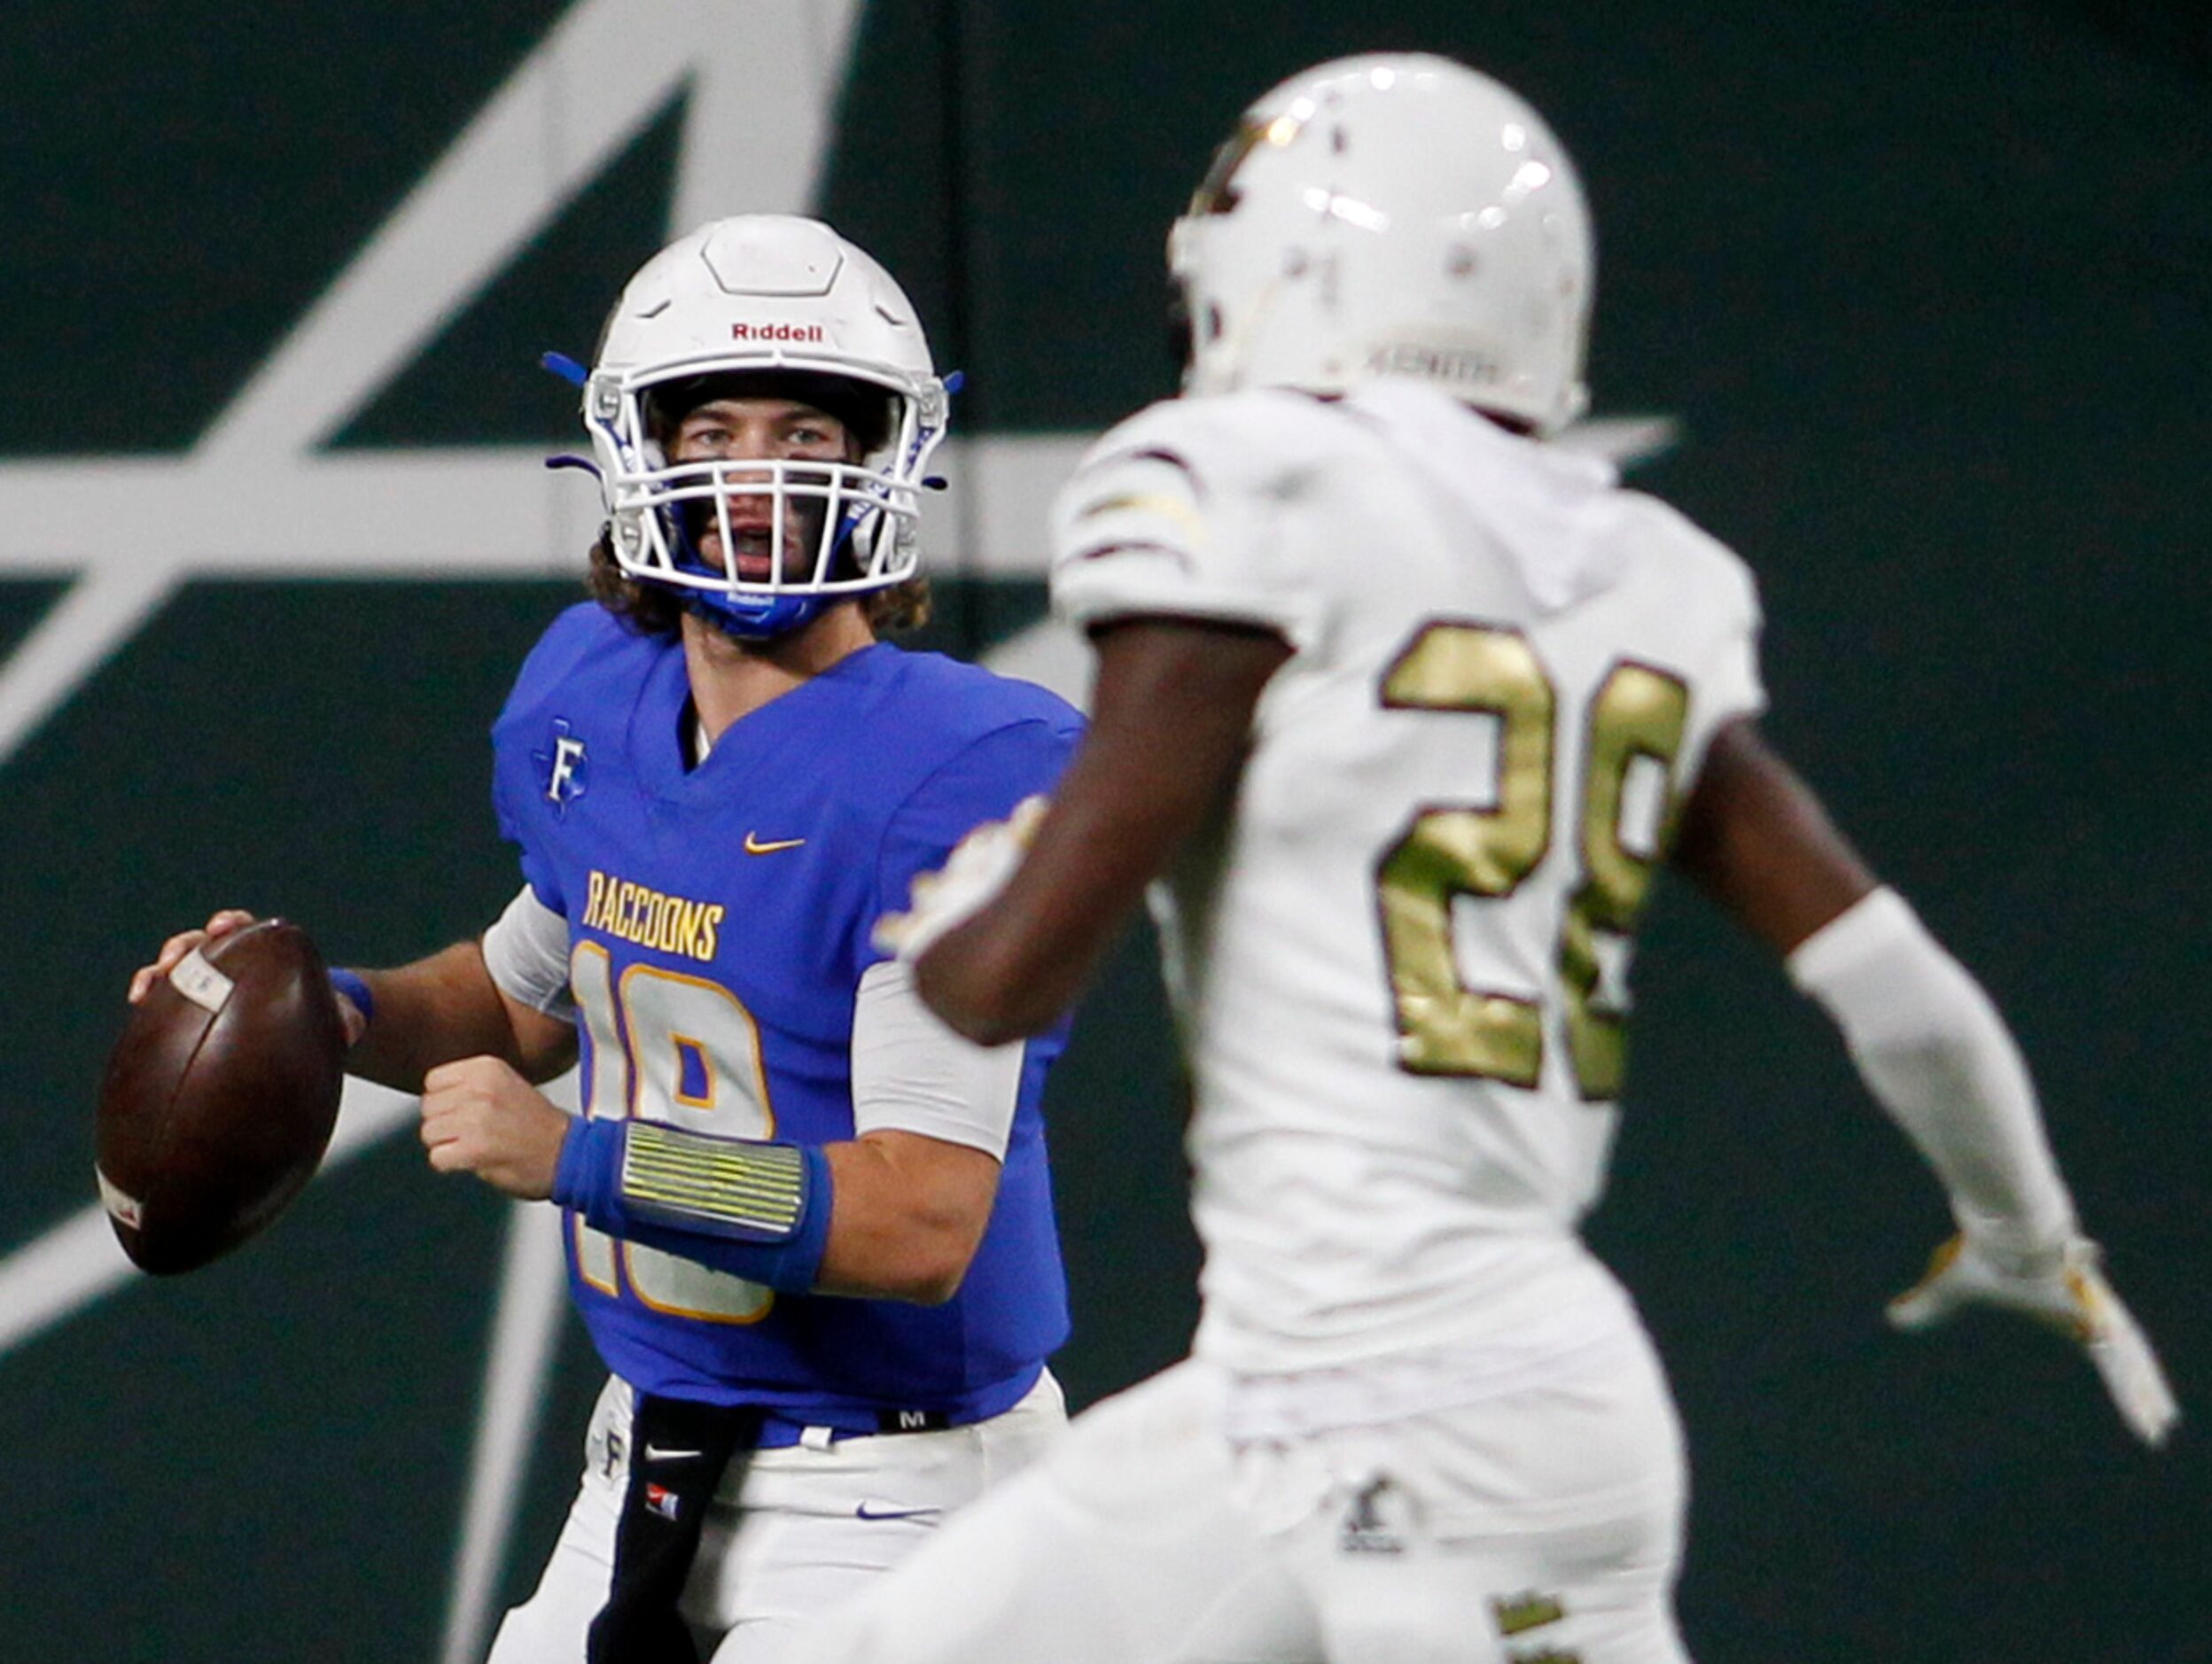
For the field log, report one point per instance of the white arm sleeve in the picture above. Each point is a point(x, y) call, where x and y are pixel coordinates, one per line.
point(526, 951)
point(911, 1072)
point(1934, 1052)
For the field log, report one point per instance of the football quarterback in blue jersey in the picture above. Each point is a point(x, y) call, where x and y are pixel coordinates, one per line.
point(808, 1227)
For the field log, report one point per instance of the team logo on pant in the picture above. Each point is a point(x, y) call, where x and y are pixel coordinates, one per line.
point(1365, 1531)
point(661, 1500)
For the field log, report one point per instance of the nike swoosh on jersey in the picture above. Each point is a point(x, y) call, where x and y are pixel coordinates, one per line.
point(654, 1453)
point(865, 1511)
point(754, 846)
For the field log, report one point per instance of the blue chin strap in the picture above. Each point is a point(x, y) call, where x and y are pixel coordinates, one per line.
point(743, 616)
point(752, 620)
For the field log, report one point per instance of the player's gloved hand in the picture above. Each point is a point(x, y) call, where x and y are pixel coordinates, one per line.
point(2062, 1286)
point(976, 871)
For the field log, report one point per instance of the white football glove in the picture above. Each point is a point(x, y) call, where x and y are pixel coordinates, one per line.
point(976, 871)
point(2064, 1289)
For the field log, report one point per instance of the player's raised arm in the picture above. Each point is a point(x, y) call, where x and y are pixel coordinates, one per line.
point(1172, 715)
point(434, 1010)
point(1932, 1050)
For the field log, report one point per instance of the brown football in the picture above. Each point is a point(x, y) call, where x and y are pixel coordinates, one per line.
point(220, 1097)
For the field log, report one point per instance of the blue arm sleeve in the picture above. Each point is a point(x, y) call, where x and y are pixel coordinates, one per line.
point(758, 1210)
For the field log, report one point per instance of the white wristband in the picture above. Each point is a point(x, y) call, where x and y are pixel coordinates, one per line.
point(527, 953)
point(1935, 1054)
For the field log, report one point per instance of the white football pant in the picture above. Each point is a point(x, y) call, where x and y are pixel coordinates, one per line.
point(1543, 1524)
point(810, 1525)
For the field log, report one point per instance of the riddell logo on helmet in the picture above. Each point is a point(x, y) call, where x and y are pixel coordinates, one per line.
point(778, 332)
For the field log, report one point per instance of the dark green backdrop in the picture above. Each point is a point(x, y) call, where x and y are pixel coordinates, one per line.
point(1926, 290)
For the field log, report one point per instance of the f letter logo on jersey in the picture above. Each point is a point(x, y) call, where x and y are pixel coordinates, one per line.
point(564, 768)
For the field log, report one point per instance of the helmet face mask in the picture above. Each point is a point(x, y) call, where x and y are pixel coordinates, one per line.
point(1391, 215)
point(767, 305)
point(813, 510)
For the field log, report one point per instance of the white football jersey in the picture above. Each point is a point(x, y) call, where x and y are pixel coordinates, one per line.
point(1399, 959)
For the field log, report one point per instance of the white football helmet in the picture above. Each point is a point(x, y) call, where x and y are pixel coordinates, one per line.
point(788, 298)
point(1397, 214)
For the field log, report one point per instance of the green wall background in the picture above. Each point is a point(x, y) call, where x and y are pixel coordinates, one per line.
point(1928, 291)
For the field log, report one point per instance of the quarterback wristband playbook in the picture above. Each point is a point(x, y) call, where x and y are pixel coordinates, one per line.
point(755, 1208)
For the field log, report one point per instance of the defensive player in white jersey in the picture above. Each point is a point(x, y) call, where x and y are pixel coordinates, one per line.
point(1406, 705)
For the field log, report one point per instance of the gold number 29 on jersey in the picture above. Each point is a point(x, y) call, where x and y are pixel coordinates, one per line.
point(1449, 850)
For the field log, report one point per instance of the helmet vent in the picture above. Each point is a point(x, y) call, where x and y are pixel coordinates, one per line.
point(757, 255)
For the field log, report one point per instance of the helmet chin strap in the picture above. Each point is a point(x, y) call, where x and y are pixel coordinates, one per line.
point(752, 620)
point(745, 618)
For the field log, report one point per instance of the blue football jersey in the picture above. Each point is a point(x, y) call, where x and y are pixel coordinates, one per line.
point(719, 920)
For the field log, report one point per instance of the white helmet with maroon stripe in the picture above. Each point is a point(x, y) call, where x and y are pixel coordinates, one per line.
point(1397, 214)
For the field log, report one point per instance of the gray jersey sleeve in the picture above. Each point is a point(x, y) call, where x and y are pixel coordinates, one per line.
point(912, 1073)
